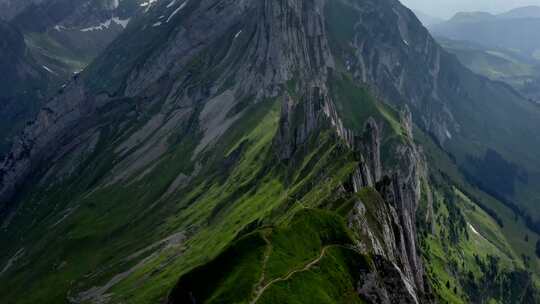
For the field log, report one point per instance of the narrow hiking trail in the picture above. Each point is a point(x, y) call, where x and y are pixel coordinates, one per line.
point(261, 289)
point(267, 254)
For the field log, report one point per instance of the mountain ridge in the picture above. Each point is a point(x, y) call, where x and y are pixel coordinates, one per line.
point(201, 144)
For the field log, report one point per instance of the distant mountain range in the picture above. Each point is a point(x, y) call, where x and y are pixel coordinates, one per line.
point(516, 30)
point(426, 19)
point(503, 47)
point(522, 12)
point(520, 72)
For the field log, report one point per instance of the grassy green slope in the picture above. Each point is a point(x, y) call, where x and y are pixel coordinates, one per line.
point(513, 228)
point(470, 260)
point(306, 259)
point(478, 244)
point(240, 186)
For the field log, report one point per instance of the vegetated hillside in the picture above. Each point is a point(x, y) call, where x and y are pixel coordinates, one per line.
point(520, 72)
point(263, 151)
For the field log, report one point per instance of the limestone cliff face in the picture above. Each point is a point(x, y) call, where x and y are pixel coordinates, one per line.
point(56, 129)
point(403, 65)
point(393, 235)
point(22, 83)
point(267, 43)
point(388, 229)
point(275, 47)
point(16, 66)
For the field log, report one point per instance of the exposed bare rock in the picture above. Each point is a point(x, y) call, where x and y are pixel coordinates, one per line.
point(393, 234)
point(387, 285)
point(404, 66)
point(214, 119)
point(372, 148)
point(59, 120)
point(298, 120)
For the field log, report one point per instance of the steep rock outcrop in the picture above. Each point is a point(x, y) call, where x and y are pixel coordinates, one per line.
point(372, 148)
point(278, 38)
point(388, 226)
point(403, 65)
point(387, 285)
point(56, 126)
point(22, 84)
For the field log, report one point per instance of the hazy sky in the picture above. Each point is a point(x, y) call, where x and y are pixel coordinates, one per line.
point(447, 8)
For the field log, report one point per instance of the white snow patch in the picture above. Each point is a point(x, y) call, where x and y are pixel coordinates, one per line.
point(474, 230)
point(173, 2)
point(237, 34)
point(448, 134)
point(122, 22)
point(177, 10)
point(148, 4)
point(156, 24)
point(406, 42)
point(105, 25)
point(59, 27)
point(48, 69)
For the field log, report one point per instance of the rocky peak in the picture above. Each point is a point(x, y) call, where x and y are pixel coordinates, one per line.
point(397, 220)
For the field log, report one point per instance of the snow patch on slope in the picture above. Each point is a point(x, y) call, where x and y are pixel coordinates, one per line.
point(105, 25)
point(48, 69)
point(473, 229)
point(177, 10)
